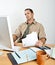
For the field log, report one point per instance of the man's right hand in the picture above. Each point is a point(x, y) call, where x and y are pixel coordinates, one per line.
point(14, 37)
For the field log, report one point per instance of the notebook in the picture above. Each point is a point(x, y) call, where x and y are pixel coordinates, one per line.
point(24, 56)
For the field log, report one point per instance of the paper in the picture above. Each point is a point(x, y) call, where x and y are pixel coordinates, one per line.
point(1, 53)
point(48, 51)
point(30, 39)
point(16, 48)
point(51, 52)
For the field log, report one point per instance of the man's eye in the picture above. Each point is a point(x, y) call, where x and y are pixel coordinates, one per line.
point(27, 13)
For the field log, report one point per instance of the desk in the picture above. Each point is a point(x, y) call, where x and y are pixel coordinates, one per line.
point(4, 60)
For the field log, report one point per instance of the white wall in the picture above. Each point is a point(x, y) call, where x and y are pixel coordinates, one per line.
point(44, 13)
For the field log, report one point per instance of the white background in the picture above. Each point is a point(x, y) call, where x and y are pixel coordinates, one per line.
point(44, 11)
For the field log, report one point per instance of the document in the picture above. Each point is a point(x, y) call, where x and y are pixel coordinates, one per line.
point(30, 39)
point(51, 52)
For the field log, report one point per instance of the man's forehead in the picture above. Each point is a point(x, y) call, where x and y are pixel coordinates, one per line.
point(27, 11)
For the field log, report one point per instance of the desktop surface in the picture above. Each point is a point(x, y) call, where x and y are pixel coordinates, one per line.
point(4, 60)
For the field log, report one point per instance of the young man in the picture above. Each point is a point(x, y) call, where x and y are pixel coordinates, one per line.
point(28, 27)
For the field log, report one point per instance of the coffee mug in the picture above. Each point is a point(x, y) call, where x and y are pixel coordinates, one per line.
point(41, 57)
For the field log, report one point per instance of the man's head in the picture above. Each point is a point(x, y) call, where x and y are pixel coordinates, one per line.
point(29, 14)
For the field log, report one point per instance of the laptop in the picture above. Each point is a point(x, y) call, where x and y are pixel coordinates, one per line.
point(6, 40)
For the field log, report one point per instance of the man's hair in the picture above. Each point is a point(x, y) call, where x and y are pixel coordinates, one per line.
point(29, 10)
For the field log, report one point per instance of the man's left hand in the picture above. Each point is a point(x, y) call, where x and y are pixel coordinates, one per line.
point(39, 43)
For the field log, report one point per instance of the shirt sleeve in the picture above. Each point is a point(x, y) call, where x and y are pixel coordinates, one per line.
point(42, 32)
point(18, 31)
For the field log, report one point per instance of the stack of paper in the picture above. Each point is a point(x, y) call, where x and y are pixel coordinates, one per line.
point(30, 39)
point(51, 52)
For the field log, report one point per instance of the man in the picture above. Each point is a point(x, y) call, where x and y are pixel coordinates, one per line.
point(30, 26)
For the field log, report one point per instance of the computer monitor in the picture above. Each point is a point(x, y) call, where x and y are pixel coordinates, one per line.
point(6, 39)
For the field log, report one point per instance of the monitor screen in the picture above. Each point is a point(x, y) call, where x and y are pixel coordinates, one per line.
point(5, 33)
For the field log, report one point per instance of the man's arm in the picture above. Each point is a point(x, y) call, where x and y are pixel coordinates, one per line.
point(43, 40)
point(14, 37)
point(42, 36)
point(17, 33)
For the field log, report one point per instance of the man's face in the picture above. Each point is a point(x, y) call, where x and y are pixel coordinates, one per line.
point(28, 15)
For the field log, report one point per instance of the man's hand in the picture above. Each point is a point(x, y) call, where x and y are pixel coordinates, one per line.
point(18, 44)
point(39, 43)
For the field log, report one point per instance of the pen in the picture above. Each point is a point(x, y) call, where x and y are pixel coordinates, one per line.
point(44, 47)
point(41, 48)
point(17, 55)
point(47, 47)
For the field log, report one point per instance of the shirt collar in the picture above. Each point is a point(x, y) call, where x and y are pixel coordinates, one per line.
point(32, 22)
